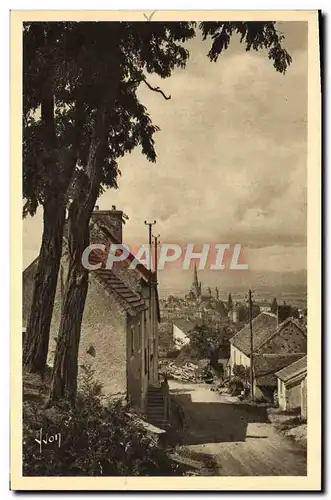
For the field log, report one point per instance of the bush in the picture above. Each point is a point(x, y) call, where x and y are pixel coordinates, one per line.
point(242, 372)
point(236, 386)
point(173, 354)
point(98, 438)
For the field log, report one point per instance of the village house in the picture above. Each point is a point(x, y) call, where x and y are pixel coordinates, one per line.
point(275, 345)
point(119, 335)
point(181, 330)
point(264, 306)
point(292, 387)
point(265, 369)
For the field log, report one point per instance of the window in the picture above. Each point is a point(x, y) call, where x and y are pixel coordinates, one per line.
point(91, 351)
point(146, 361)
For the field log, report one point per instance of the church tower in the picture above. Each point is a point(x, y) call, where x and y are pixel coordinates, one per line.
point(196, 285)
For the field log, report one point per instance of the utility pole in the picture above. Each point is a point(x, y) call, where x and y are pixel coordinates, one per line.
point(156, 244)
point(150, 224)
point(250, 309)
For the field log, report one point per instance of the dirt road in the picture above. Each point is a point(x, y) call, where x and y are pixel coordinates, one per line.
point(234, 439)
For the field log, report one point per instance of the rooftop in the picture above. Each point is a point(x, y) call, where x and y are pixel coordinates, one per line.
point(264, 325)
point(290, 371)
point(185, 325)
point(267, 365)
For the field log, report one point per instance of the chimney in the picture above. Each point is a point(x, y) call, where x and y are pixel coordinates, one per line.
point(283, 312)
point(112, 219)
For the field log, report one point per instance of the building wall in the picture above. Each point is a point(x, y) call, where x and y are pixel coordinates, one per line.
point(265, 308)
point(103, 328)
point(289, 340)
point(293, 396)
point(135, 373)
point(238, 358)
point(107, 328)
point(143, 360)
point(179, 337)
point(304, 398)
point(154, 340)
point(281, 389)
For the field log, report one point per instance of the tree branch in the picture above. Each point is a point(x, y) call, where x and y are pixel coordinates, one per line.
point(156, 89)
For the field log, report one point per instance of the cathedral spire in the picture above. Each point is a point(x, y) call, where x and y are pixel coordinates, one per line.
point(195, 276)
point(196, 285)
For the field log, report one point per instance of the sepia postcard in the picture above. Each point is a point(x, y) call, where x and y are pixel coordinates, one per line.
point(166, 206)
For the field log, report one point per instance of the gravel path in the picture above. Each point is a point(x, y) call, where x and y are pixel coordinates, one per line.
point(237, 439)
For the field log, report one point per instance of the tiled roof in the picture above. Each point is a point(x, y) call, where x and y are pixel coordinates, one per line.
point(264, 325)
point(124, 282)
point(101, 233)
point(131, 300)
point(292, 370)
point(266, 366)
point(185, 325)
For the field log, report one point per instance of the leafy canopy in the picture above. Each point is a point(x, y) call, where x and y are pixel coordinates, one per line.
point(85, 65)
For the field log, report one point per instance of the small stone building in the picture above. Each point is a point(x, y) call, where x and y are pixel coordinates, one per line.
point(119, 335)
point(269, 337)
point(265, 368)
point(181, 331)
point(292, 387)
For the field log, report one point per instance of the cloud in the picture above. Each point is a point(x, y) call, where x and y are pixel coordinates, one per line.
point(231, 163)
point(231, 155)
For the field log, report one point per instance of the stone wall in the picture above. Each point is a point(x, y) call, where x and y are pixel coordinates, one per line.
point(290, 339)
point(103, 333)
point(304, 398)
point(293, 396)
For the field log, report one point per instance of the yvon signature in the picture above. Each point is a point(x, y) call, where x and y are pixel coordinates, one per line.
point(48, 439)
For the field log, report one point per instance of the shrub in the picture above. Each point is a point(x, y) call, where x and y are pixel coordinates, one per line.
point(241, 372)
point(236, 386)
point(98, 438)
point(173, 354)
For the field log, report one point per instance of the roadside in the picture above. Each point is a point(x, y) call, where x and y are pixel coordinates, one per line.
point(289, 425)
point(232, 438)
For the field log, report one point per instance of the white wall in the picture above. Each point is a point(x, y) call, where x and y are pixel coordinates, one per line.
point(281, 389)
point(238, 358)
point(180, 338)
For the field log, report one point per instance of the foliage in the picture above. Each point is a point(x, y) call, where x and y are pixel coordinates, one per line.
point(242, 372)
point(208, 342)
point(173, 354)
point(206, 373)
point(236, 385)
point(83, 66)
point(98, 438)
point(253, 35)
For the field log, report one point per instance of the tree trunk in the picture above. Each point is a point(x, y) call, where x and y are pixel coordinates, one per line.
point(214, 361)
point(64, 378)
point(45, 281)
point(38, 327)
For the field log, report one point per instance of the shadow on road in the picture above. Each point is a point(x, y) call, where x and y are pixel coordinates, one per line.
point(217, 422)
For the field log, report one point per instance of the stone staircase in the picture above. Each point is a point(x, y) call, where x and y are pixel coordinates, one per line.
point(155, 407)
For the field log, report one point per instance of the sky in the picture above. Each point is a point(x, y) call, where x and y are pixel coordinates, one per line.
point(231, 158)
